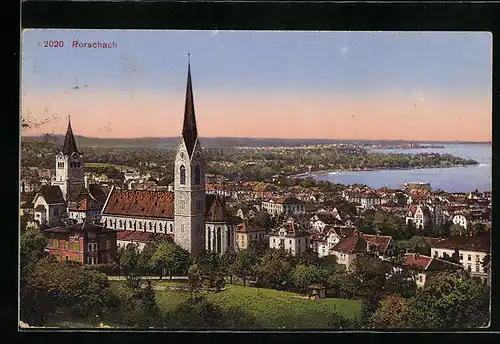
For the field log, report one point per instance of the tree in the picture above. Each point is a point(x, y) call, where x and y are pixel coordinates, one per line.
point(146, 255)
point(226, 261)
point(32, 246)
point(401, 282)
point(244, 264)
point(390, 312)
point(195, 281)
point(129, 258)
point(305, 275)
point(148, 305)
point(456, 229)
point(449, 301)
point(275, 270)
point(170, 258)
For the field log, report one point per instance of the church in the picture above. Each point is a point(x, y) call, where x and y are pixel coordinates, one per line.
point(196, 220)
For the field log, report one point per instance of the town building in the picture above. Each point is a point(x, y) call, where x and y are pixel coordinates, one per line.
point(247, 234)
point(285, 205)
point(348, 249)
point(425, 266)
point(290, 237)
point(472, 251)
point(85, 243)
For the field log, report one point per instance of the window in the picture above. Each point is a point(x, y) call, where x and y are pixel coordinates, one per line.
point(130, 224)
point(461, 257)
point(469, 267)
point(150, 226)
point(182, 175)
point(477, 267)
point(436, 254)
point(66, 258)
point(420, 278)
point(140, 225)
point(219, 240)
point(79, 164)
point(56, 244)
point(469, 257)
point(66, 245)
point(197, 175)
point(121, 224)
point(290, 241)
point(75, 246)
point(56, 212)
point(477, 258)
point(171, 228)
point(161, 227)
point(92, 247)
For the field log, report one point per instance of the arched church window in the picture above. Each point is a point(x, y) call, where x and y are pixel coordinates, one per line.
point(171, 228)
point(197, 175)
point(182, 175)
point(219, 239)
point(140, 225)
point(121, 224)
point(150, 226)
point(130, 224)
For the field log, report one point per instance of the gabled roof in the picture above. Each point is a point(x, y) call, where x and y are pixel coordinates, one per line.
point(381, 241)
point(429, 263)
point(246, 228)
point(189, 130)
point(140, 203)
point(51, 193)
point(480, 243)
point(352, 244)
point(69, 146)
point(288, 200)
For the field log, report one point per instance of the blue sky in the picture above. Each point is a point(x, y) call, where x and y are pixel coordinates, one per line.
point(262, 61)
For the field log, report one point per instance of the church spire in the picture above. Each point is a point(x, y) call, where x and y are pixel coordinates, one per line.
point(69, 141)
point(189, 131)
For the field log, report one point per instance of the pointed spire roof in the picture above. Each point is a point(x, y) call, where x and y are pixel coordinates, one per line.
point(69, 141)
point(189, 131)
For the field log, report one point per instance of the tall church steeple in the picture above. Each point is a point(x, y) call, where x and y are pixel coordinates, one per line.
point(189, 130)
point(189, 182)
point(69, 141)
point(69, 166)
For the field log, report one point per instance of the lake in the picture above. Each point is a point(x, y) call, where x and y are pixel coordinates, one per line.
point(453, 179)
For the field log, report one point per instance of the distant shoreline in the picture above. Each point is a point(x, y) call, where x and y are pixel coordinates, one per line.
point(323, 172)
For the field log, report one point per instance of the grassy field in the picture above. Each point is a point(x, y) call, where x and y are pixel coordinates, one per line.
point(272, 308)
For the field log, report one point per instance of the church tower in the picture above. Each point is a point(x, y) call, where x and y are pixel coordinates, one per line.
point(189, 182)
point(69, 165)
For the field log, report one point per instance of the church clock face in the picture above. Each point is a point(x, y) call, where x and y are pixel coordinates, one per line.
point(197, 155)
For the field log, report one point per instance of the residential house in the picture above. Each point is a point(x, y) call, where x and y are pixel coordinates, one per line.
point(383, 245)
point(419, 215)
point(49, 206)
point(348, 249)
point(472, 251)
point(425, 266)
point(85, 243)
point(324, 240)
point(285, 205)
point(247, 234)
point(290, 237)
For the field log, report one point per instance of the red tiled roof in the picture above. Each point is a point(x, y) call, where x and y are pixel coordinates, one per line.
point(420, 261)
point(352, 244)
point(480, 242)
point(428, 263)
point(245, 228)
point(381, 241)
point(142, 203)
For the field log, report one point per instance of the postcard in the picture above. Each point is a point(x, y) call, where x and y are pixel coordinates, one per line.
point(255, 180)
